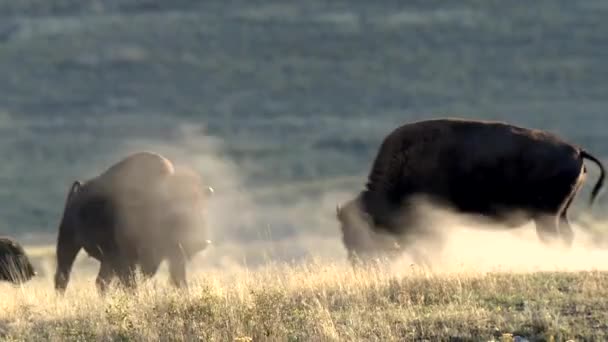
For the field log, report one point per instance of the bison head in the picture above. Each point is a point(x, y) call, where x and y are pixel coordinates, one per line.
point(361, 241)
point(184, 200)
point(15, 266)
point(192, 224)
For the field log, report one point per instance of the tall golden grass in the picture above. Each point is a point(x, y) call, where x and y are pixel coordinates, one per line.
point(316, 301)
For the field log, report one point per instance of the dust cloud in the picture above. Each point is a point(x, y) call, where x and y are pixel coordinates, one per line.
point(247, 227)
point(247, 230)
point(470, 245)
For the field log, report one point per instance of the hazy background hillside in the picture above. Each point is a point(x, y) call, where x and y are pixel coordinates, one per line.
point(280, 104)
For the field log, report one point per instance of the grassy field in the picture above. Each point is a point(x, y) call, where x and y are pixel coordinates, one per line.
point(317, 301)
point(505, 286)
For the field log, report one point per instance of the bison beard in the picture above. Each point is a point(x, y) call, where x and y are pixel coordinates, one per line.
point(15, 266)
point(484, 168)
point(126, 218)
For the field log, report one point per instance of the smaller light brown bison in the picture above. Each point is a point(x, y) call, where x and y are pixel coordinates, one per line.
point(15, 266)
point(504, 173)
point(139, 212)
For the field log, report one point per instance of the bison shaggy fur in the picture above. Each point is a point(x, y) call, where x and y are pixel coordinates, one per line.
point(137, 213)
point(15, 266)
point(505, 173)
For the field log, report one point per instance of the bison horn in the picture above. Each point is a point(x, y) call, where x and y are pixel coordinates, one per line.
point(210, 191)
point(76, 185)
point(338, 209)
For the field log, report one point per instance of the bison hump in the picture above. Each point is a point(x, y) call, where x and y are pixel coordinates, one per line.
point(136, 175)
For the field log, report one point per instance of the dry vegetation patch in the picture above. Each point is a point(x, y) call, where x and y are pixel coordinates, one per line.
point(316, 302)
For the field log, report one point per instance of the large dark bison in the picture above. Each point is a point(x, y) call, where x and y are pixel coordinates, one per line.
point(137, 213)
point(15, 266)
point(495, 170)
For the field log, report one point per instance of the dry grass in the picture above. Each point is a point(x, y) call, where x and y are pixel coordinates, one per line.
point(316, 301)
point(489, 286)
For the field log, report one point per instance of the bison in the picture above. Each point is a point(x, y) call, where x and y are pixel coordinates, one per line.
point(15, 266)
point(493, 170)
point(137, 213)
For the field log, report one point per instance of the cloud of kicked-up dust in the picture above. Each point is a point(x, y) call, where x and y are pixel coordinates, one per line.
point(468, 244)
point(248, 230)
point(246, 226)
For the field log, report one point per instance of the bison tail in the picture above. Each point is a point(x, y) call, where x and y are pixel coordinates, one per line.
point(600, 183)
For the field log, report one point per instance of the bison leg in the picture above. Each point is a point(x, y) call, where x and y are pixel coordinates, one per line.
point(363, 260)
point(377, 249)
point(177, 269)
point(104, 277)
point(115, 265)
point(125, 259)
point(124, 266)
point(421, 259)
point(126, 274)
point(150, 267)
point(67, 249)
point(420, 238)
point(547, 228)
point(408, 243)
point(558, 196)
point(149, 263)
point(565, 229)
